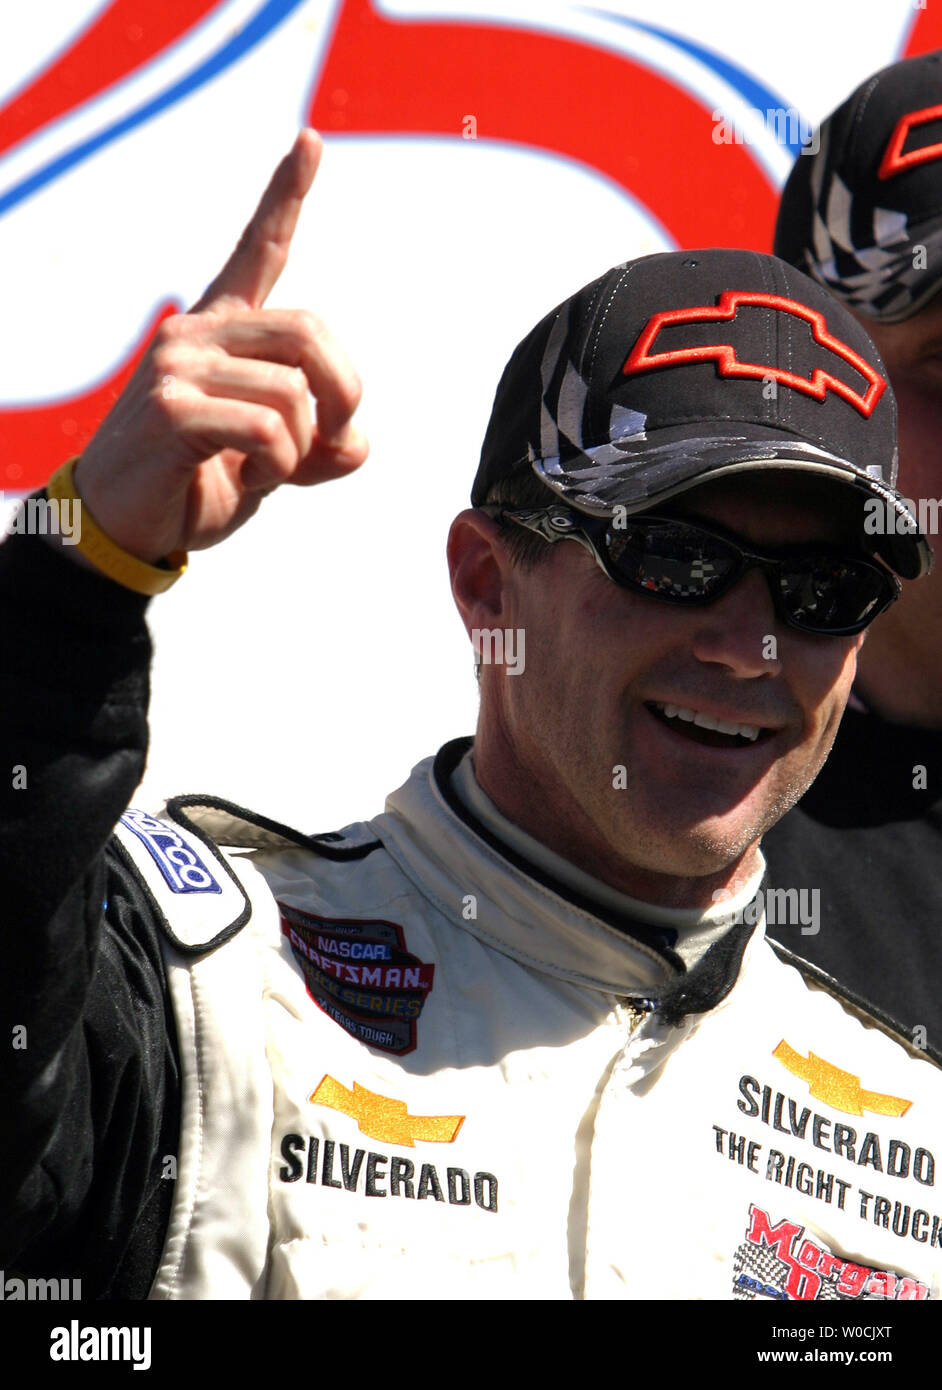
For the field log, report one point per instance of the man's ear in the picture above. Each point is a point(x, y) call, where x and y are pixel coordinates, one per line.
point(480, 569)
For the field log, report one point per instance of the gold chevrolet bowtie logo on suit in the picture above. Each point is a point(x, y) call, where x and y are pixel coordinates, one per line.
point(382, 1117)
point(835, 1087)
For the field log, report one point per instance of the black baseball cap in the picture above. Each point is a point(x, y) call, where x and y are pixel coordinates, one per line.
point(689, 365)
point(863, 215)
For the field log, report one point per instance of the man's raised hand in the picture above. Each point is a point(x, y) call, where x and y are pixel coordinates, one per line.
point(218, 412)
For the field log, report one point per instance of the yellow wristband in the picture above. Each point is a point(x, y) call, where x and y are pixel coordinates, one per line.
point(100, 549)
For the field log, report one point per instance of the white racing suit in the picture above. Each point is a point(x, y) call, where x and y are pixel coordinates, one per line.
point(412, 1069)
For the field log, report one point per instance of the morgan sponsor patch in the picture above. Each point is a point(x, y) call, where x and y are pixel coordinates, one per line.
point(362, 975)
point(779, 1262)
point(180, 865)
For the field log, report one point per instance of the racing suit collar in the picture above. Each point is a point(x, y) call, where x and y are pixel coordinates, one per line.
point(688, 931)
point(499, 897)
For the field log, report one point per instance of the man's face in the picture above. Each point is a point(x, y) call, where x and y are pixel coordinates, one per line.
point(912, 353)
point(601, 665)
point(909, 638)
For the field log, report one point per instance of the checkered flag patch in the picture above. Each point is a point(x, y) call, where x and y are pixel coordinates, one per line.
point(757, 1265)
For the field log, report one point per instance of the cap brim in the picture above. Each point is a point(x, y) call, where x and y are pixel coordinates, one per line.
point(639, 471)
point(915, 305)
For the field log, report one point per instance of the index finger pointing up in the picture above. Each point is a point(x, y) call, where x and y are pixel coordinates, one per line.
point(250, 272)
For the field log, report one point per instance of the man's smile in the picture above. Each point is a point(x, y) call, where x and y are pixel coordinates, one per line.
point(700, 726)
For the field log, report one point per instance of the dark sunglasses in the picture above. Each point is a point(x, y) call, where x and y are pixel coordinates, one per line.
point(815, 588)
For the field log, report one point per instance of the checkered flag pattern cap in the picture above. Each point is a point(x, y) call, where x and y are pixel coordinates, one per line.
point(863, 215)
point(681, 366)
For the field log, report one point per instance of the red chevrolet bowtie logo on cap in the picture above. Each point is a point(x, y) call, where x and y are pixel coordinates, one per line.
point(894, 161)
point(642, 359)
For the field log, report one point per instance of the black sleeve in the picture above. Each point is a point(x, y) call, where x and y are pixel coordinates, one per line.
point(89, 1076)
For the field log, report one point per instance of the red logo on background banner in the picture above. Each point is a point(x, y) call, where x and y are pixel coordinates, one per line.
point(642, 359)
point(34, 439)
point(396, 75)
point(894, 161)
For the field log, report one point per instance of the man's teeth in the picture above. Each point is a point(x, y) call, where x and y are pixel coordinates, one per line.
point(706, 721)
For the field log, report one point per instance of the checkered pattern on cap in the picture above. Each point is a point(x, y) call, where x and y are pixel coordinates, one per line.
point(863, 222)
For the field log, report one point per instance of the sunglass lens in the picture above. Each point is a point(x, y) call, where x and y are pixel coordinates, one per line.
point(671, 560)
point(827, 594)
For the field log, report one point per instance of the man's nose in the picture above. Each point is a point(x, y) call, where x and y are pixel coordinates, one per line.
point(740, 631)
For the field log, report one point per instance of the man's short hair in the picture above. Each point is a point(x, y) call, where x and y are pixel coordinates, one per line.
point(521, 490)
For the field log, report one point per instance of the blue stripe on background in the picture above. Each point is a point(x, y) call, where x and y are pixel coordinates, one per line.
point(263, 22)
point(757, 95)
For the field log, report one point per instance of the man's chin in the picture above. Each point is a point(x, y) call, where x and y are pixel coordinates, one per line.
point(704, 855)
point(714, 842)
point(731, 814)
